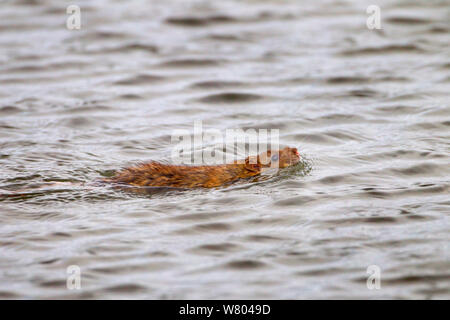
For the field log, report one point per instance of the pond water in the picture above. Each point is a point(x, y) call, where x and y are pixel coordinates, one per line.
point(367, 109)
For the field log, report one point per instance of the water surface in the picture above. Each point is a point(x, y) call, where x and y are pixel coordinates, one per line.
point(369, 109)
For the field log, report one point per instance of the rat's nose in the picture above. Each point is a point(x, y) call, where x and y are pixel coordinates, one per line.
point(296, 151)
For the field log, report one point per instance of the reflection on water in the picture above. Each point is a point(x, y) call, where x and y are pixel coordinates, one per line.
point(369, 109)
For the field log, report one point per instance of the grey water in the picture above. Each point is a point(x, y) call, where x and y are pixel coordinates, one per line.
point(369, 110)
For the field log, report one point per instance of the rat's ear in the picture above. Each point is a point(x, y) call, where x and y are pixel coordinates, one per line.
point(264, 158)
point(252, 164)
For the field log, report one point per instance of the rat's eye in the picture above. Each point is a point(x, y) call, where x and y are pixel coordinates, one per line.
point(275, 157)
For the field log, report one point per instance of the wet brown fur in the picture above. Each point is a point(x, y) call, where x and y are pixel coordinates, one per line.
point(156, 174)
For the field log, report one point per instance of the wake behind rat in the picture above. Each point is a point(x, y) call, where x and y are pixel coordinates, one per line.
point(159, 175)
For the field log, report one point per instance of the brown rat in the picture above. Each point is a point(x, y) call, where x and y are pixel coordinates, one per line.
point(154, 174)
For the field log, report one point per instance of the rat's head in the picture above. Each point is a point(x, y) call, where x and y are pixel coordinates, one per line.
point(273, 159)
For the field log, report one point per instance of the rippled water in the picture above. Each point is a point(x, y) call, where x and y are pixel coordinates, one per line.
point(369, 109)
